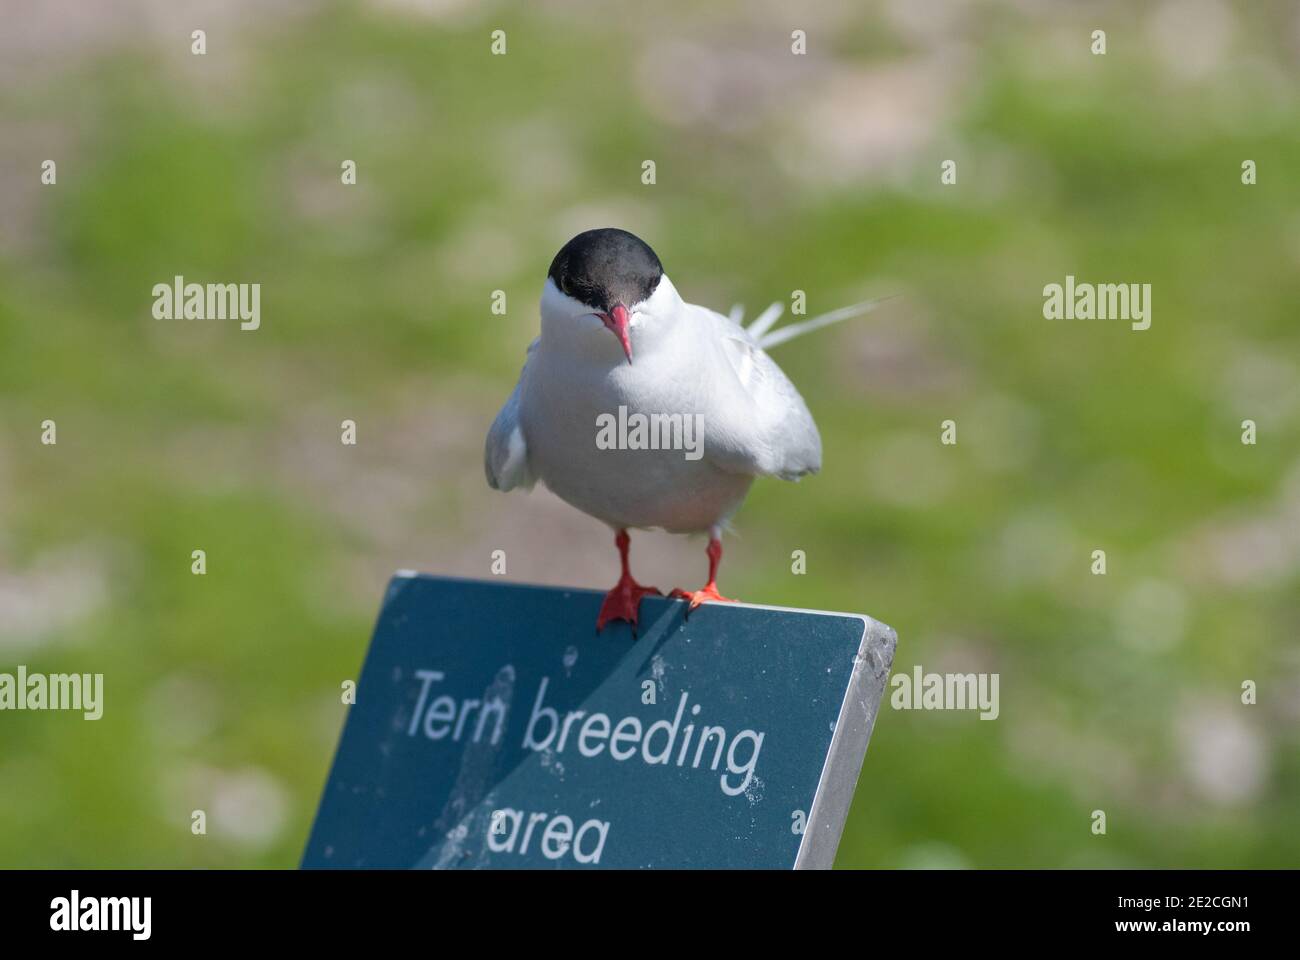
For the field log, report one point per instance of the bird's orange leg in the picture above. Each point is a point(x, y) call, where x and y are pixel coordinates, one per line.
point(709, 592)
point(622, 602)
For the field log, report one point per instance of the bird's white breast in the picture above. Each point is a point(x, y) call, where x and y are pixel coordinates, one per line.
point(568, 391)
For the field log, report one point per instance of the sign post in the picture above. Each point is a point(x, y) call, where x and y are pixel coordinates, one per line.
point(494, 728)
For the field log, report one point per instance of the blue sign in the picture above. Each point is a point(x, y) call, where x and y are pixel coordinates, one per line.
point(494, 728)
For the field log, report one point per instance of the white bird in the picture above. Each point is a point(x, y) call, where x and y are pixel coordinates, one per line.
point(680, 366)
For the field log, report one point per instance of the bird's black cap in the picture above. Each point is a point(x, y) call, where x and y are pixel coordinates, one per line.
point(607, 266)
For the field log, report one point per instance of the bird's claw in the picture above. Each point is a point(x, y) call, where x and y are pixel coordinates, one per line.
point(623, 602)
point(706, 594)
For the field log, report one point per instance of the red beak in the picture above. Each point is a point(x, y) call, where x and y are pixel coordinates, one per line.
point(618, 321)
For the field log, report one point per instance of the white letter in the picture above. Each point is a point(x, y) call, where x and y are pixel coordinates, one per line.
point(429, 677)
point(556, 837)
point(59, 918)
point(602, 827)
point(162, 303)
point(538, 710)
point(254, 317)
point(748, 769)
point(94, 702)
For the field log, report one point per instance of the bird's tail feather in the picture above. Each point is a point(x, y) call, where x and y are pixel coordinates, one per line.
point(763, 322)
point(765, 340)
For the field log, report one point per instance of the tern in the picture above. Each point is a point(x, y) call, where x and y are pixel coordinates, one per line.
point(617, 341)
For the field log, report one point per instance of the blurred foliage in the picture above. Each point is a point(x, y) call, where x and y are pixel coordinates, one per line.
point(1118, 692)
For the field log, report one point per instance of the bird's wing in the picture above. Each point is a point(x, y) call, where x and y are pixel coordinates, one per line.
point(760, 424)
point(505, 455)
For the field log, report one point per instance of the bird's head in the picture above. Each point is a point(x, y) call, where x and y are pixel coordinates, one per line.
point(608, 278)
